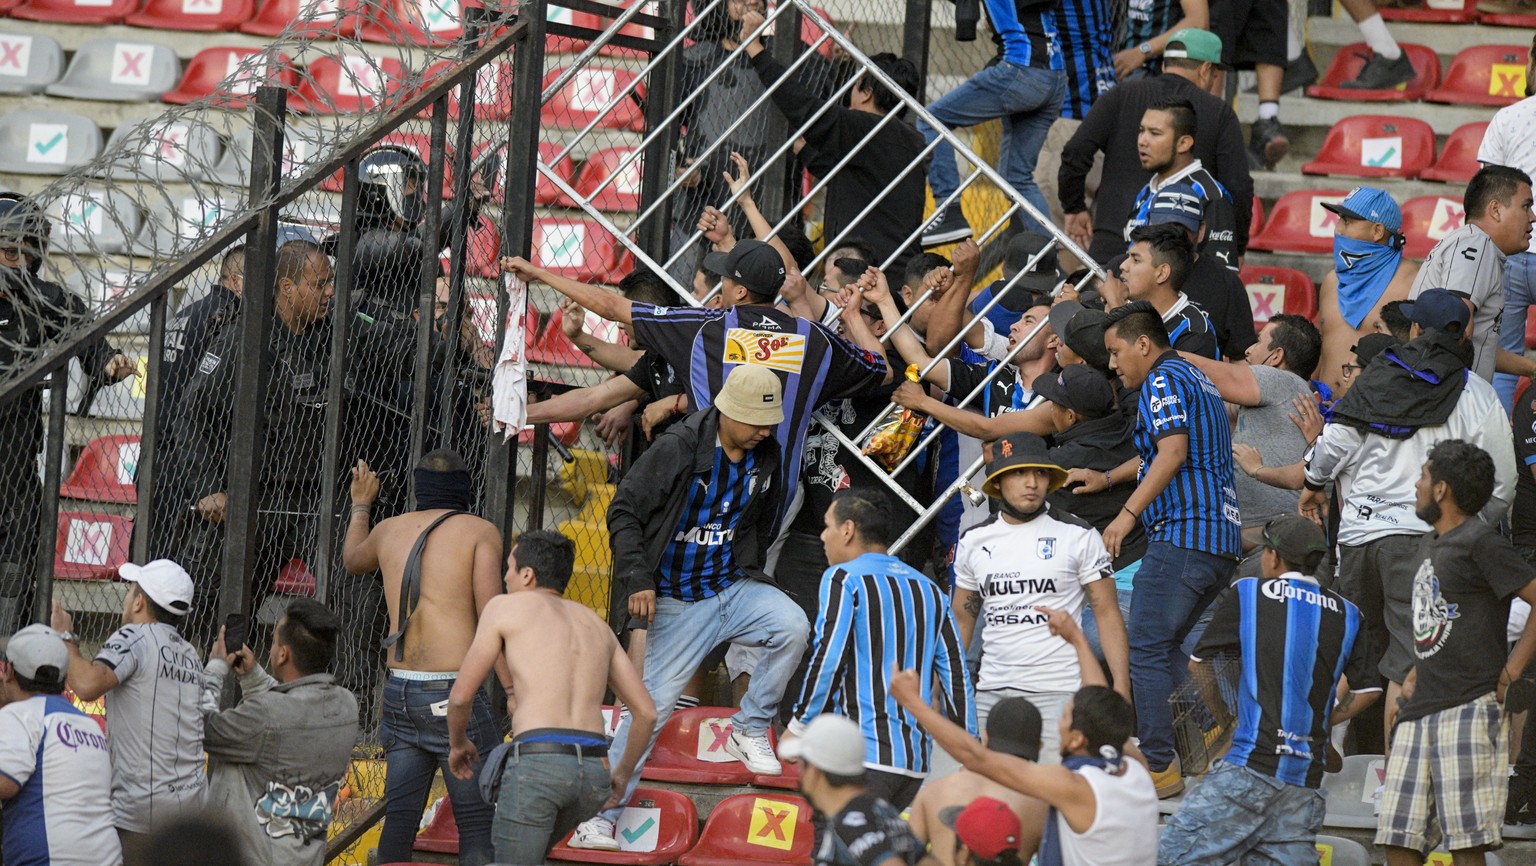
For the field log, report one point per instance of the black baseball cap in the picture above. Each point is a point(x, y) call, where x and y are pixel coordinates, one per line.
point(1013, 728)
point(754, 264)
point(1295, 538)
point(1370, 346)
point(1082, 329)
point(1441, 309)
point(1078, 388)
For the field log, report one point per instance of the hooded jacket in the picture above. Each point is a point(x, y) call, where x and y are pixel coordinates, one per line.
point(1412, 385)
point(1099, 444)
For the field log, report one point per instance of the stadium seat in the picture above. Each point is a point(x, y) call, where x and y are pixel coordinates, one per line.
point(295, 578)
point(657, 827)
point(544, 190)
point(38, 141)
point(1299, 224)
point(1524, 21)
point(230, 75)
point(1338, 851)
point(588, 93)
point(94, 220)
point(567, 433)
point(1352, 792)
point(119, 71)
point(621, 193)
point(29, 62)
point(482, 249)
point(754, 828)
point(492, 93)
point(1458, 159)
point(1272, 291)
point(788, 780)
point(412, 22)
point(691, 749)
point(347, 83)
point(1348, 62)
point(1435, 12)
point(311, 19)
point(1256, 219)
point(1484, 75)
point(154, 149)
point(90, 545)
point(175, 225)
point(1427, 219)
point(193, 14)
point(551, 346)
point(105, 471)
point(75, 11)
point(441, 835)
point(580, 249)
point(1373, 145)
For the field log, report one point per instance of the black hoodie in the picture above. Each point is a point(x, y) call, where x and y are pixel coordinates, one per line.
point(1408, 386)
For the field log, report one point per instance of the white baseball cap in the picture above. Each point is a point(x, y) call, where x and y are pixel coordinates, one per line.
point(834, 744)
point(166, 583)
point(35, 650)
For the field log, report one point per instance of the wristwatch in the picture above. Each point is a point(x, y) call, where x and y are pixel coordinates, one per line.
point(69, 637)
point(1145, 48)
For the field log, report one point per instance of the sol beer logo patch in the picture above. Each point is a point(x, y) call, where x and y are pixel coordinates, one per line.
point(773, 824)
point(765, 349)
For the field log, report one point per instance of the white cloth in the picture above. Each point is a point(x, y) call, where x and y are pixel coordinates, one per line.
point(994, 346)
point(1124, 829)
point(63, 813)
point(1017, 567)
point(1511, 140)
point(509, 381)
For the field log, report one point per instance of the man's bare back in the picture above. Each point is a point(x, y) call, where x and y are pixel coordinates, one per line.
point(1338, 337)
point(560, 654)
point(959, 789)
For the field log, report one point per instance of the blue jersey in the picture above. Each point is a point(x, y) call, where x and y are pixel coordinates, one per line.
point(1085, 31)
point(1198, 508)
point(1025, 32)
point(1295, 640)
point(697, 562)
point(876, 612)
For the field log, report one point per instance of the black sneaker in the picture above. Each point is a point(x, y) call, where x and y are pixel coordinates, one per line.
point(1298, 74)
point(947, 227)
point(1379, 73)
point(1519, 809)
point(1267, 144)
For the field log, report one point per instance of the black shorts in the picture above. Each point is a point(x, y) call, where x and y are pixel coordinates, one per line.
point(1251, 31)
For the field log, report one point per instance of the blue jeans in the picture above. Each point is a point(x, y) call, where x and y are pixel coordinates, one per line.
point(415, 740)
point(1238, 815)
point(1091, 623)
point(1519, 295)
point(1027, 99)
point(544, 797)
point(1173, 587)
point(748, 613)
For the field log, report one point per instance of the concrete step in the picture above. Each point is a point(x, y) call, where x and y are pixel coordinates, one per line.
point(1270, 185)
point(1297, 110)
point(1326, 35)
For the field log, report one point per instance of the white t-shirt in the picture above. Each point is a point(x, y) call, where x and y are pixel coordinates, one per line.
point(157, 731)
point(1124, 829)
point(63, 813)
point(1511, 140)
point(1467, 262)
point(1016, 566)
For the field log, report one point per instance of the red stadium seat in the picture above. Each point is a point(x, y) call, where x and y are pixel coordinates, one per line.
point(441, 835)
point(1372, 145)
point(567, 433)
point(75, 11)
point(413, 22)
point(90, 545)
point(1256, 220)
point(105, 471)
point(544, 190)
point(755, 828)
point(580, 249)
point(1458, 159)
point(1436, 12)
point(1530, 342)
point(207, 70)
point(295, 578)
point(492, 92)
point(789, 780)
point(1351, 58)
point(691, 748)
point(1513, 19)
point(1427, 219)
point(1484, 75)
point(1272, 291)
point(193, 14)
point(347, 83)
point(657, 827)
point(317, 19)
point(482, 249)
point(1299, 224)
point(8, 5)
point(588, 93)
point(621, 193)
point(551, 346)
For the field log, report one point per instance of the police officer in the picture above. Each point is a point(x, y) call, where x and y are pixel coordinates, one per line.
point(33, 313)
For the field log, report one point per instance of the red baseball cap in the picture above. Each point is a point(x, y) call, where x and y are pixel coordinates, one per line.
point(987, 827)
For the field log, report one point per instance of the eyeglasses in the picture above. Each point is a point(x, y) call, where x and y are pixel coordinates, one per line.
point(1351, 369)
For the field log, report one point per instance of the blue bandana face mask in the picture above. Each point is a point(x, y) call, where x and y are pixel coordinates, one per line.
point(1364, 270)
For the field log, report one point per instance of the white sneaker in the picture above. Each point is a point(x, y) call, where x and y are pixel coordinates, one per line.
point(595, 834)
point(754, 752)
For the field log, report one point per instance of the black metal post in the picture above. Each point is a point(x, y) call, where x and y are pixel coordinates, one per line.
point(538, 476)
point(661, 96)
point(336, 390)
point(458, 244)
point(247, 434)
point(426, 301)
point(149, 438)
point(916, 32)
point(48, 514)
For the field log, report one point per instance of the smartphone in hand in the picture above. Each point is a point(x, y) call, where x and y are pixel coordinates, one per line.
point(235, 628)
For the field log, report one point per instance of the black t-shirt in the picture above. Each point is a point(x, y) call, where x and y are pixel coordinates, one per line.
point(1220, 293)
point(867, 832)
point(1522, 518)
point(1461, 595)
point(653, 375)
point(1005, 393)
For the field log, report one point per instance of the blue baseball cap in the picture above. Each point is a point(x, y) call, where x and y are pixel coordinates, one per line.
point(1441, 309)
point(1176, 203)
point(1372, 205)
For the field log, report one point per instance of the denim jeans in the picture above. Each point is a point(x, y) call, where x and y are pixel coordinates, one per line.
point(1240, 816)
point(1027, 99)
point(749, 613)
point(415, 740)
point(1519, 295)
point(1174, 586)
point(544, 797)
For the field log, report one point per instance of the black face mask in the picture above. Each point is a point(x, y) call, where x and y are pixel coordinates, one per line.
point(1017, 514)
point(412, 207)
point(446, 489)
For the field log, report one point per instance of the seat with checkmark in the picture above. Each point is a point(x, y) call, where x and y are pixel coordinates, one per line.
point(39, 141)
point(657, 827)
point(1375, 145)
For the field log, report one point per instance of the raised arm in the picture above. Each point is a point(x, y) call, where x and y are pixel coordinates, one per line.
point(1235, 381)
point(611, 356)
point(359, 551)
point(609, 305)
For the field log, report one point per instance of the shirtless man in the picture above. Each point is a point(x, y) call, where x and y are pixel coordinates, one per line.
point(1369, 272)
point(457, 573)
point(562, 658)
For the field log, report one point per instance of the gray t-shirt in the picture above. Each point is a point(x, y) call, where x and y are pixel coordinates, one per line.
point(1467, 262)
point(154, 729)
point(1268, 427)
